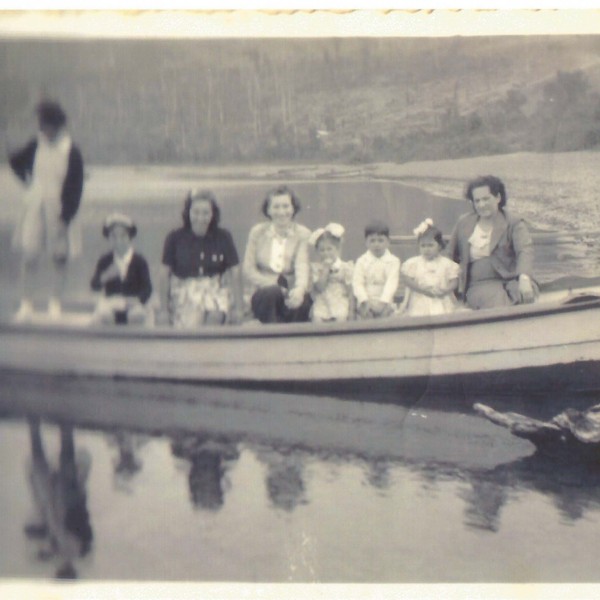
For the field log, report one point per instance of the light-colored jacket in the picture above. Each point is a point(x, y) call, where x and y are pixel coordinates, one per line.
point(256, 267)
point(511, 248)
point(376, 278)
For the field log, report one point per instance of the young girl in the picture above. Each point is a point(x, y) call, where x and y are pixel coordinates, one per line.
point(331, 277)
point(123, 275)
point(430, 278)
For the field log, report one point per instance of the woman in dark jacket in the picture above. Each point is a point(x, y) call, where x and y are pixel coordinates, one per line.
point(493, 248)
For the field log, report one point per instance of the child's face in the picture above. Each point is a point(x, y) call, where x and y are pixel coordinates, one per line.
point(429, 248)
point(328, 251)
point(377, 244)
point(119, 239)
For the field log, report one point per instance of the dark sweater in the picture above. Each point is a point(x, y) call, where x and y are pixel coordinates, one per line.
point(21, 163)
point(136, 283)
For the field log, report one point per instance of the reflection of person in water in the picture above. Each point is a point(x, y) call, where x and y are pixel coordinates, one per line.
point(210, 459)
point(285, 481)
point(127, 463)
point(63, 521)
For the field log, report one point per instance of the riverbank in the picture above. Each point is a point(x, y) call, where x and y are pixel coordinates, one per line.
point(553, 191)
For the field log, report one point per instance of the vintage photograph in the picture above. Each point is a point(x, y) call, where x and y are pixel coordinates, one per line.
point(299, 308)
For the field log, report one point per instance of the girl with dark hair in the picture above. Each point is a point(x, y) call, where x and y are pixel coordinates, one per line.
point(493, 248)
point(51, 168)
point(430, 278)
point(276, 266)
point(200, 278)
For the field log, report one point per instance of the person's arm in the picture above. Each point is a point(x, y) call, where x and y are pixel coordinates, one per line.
point(320, 276)
point(392, 281)
point(72, 187)
point(233, 277)
point(451, 250)
point(301, 275)
point(21, 162)
point(358, 283)
point(106, 269)
point(146, 283)
point(523, 248)
point(250, 268)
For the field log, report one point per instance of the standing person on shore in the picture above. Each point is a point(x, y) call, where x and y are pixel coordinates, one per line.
point(200, 278)
point(276, 265)
point(51, 167)
point(493, 248)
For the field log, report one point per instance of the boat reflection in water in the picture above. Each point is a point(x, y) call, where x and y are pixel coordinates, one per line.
point(231, 485)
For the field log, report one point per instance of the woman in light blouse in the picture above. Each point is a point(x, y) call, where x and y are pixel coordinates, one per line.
point(276, 266)
point(493, 248)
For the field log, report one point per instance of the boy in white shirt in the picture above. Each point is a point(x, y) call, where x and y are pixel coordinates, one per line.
point(376, 274)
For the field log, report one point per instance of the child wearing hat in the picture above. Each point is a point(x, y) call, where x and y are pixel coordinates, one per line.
point(123, 275)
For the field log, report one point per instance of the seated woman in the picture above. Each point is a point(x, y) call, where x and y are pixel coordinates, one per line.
point(200, 278)
point(123, 275)
point(493, 248)
point(276, 265)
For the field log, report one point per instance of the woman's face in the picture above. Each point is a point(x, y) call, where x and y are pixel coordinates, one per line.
point(484, 203)
point(201, 215)
point(281, 209)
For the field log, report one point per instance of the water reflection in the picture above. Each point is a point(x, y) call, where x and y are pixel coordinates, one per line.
point(210, 458)
point(447, 478)
point(285, 476)
point(127, 463)
point(62, 526)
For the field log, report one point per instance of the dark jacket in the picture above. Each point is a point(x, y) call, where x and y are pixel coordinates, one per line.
point(511, 248)
point(22, 162)
point(136, 283)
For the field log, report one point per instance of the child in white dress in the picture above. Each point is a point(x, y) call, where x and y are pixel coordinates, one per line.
point(430, 278)
point(331, 277)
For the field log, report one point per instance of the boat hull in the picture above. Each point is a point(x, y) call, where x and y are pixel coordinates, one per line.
point(535, 347)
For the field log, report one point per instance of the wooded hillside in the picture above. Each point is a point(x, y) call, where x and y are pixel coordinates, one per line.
point(325, 99)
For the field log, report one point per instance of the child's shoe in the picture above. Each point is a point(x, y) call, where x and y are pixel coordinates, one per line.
point(54, 309)
point(25, 312)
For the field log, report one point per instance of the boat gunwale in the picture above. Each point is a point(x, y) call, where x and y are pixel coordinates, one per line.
point(313, 330)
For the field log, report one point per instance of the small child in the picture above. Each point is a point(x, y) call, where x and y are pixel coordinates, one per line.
point(430, 278)
point(376, 274)
point(331, 277)
point(123, 275)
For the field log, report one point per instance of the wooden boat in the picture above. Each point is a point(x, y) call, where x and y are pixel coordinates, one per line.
point(554, 343)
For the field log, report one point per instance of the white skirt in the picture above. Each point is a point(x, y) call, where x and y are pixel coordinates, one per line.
point(38, 228)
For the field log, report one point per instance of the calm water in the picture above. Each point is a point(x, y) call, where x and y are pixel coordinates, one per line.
point(206, 484)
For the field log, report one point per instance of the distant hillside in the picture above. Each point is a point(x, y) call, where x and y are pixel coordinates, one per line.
point(326, 99)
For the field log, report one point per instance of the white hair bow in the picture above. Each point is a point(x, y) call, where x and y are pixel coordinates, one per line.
point(423, 227)
point(335, 229)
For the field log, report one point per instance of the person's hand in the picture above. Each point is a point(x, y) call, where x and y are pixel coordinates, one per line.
point(162, 317)
point(526, 290)
point(377, 306)
point(236, 315)
point(295, 298)
point(363, 310)
point(132, 303)
point(111, 272)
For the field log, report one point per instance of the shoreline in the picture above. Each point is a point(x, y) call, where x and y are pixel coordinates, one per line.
point(552, 191)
